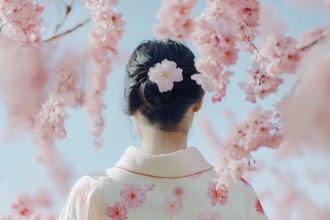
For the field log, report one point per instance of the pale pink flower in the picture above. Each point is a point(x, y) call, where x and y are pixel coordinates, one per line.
point(260, 83)
point(164, 74)
point(149, 187)
point(52, 116)
point(208, 215)
point(117, 212)
point(133, 195)
point(173, 204)
point(281, 53)
point(217, 194)
point(28, 207)
point(81, 193)
point(23, 205)
point(176, 21)
point(178, 191)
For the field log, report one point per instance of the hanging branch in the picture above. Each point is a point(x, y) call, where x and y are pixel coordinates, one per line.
point(67, 12)
point(55, 37)
point(324, 35)
point(61, 84)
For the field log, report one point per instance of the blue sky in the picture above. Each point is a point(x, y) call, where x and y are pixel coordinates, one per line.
point(19, 172)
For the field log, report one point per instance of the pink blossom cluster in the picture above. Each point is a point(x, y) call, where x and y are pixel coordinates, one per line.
point(108, 24)
point(305, 111)
point(234, 152)
point(221, 28)
point(52, 116)
point(280, 53)
point(176, 21)
point(260, 83)
point(21, 103)
point(105, 35)
point(28, 207)
point(22, 20)
point(23, 66)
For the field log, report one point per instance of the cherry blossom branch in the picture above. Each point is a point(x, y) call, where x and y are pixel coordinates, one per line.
point(55, 37)
point(62, 83)
point(324, 35)
point(67, 12)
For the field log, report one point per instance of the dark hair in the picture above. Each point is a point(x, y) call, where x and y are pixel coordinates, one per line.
point(168, 108)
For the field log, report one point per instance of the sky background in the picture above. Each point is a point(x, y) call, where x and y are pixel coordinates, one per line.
point(20, 172)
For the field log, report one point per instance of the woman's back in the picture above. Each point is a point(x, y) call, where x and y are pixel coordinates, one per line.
point(178, 185)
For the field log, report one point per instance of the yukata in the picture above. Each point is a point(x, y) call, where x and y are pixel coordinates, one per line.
point(175, 186)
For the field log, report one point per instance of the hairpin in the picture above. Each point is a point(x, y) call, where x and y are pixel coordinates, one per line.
point(164, 74)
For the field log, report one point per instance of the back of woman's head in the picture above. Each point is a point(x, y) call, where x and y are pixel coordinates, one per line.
point(164, 109)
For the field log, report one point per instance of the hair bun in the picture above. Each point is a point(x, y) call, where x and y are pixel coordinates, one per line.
point(152, 97)
point(167, 108)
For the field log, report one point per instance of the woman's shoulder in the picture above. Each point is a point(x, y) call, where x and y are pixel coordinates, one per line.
point(96, 181)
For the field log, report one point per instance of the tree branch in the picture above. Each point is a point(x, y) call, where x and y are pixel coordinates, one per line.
point(324, 35)
point(62, 83)
point(55, 37)
point(67, 12)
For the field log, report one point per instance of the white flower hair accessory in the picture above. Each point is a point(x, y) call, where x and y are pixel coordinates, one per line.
point(164, 74)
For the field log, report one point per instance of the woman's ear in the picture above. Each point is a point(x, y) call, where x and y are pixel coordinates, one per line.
point(198, 105)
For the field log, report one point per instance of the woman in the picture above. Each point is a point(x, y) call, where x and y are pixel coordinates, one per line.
point(164, 179)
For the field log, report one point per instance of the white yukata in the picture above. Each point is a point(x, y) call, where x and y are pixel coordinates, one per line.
point(142, 186)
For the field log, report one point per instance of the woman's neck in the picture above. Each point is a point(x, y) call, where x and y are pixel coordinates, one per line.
point(156, 141)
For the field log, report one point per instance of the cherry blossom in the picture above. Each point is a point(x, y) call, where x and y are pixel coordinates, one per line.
point(218, 33)
point(52, 115)
point(117, 212)
point(22, 20)
point(172, 205)
point(260, 83)
point(104, 36)
point(311, 123)
point(175, 18)
point(27, 206)
point(217, 194)
point(178, 191)
point(81, 194)
point(281, 53)
point(164, 74)
point(133, 195)
point(234, 151)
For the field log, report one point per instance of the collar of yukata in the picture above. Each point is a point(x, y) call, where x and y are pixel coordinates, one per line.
point(164, 74)
point(182, 163)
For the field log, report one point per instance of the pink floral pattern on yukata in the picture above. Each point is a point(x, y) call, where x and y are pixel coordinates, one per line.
point(117, 212)
point(132, 196)
point(259, 208)
point(173, 203)
point(217, 195)
point(209, 216)
point(81, 193)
